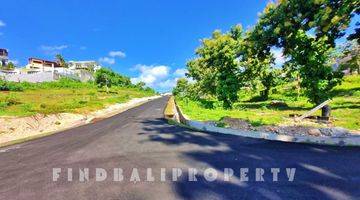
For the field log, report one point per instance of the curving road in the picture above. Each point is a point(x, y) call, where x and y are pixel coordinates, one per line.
point(140, 138)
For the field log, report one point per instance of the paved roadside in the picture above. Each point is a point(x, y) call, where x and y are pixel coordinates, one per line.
point(140, 138)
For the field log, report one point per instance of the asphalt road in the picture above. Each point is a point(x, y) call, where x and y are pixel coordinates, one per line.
point(140, 138)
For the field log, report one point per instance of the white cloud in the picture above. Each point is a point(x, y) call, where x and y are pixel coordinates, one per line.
point(2, 23)
point(107, 60)
point(168, 83)
point(158, 76)
point(151, 75)
point(279, 57)
point(119, 54)
point(110, 59)
point(83, 48)
point(51, 50)
point(180, 72)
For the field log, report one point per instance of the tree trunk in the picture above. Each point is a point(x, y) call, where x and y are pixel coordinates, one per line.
point(265, 94)
point(227, 104)
point(297, 87)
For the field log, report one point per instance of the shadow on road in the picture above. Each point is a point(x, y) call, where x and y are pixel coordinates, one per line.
point(322, 172)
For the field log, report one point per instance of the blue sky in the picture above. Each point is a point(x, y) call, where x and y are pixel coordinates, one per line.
point(146, 40)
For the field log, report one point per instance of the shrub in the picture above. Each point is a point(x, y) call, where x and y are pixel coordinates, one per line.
point(10, 86)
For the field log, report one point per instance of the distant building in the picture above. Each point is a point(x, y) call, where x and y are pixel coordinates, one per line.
point(39, 65)
point(84, 65)
point(9, 71)
point(3, 57)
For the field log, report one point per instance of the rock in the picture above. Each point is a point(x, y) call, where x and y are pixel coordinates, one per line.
point(335, 132)
point(326, 131)
point(236, 123)
point(314, 132)
point(210, 123)
point(339, 131)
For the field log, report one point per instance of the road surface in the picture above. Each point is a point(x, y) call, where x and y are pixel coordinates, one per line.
point(140, 138)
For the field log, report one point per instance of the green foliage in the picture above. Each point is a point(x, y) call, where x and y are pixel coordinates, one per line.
point(288, 24)
point(60, 60)
point(140, 84)
point(9, 66)
point(107, 77)
point(10, 86)
point(73, 97)
point(181, 87)
point(216, 67)
point(184, 89)
point(350, 58)
point(312, 57)
point(61, 83)
point(269, 78)
point(345, 106)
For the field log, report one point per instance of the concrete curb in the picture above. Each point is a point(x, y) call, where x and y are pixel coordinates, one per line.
point(336, 141)
point(100, 114)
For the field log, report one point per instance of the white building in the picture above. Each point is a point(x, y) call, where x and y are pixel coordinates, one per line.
point(39, 65)
point(85, 65)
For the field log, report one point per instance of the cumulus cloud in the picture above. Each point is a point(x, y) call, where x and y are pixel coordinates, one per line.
point(180, 72)
point(118, 54)
point(168, 83)
point(159, 77)
point(151, 75)
point(110, 58)
point(107, 60)
point(51, 50)
point(2, 23)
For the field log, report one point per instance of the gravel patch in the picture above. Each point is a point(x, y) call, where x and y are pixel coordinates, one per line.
point(291, 130)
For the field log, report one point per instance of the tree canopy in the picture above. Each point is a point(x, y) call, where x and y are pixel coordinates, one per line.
point(304, 30)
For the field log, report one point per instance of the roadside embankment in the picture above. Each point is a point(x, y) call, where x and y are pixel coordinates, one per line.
point(344, 140)
point(19, 129)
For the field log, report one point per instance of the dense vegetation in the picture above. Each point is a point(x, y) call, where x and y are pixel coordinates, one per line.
point(67, 95)
point(345, 106)
point(304, 31)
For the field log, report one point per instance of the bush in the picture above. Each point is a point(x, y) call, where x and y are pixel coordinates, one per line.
point(107, 77)
point(60, 84)
point(9, 101)
point(10, 86)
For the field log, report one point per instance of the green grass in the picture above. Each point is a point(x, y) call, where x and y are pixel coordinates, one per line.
point(63, 96)
point(345, 106)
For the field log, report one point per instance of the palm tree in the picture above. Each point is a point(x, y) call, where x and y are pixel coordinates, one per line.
point(61, 61)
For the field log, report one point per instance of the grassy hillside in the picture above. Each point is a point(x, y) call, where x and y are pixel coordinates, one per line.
point(345, 106)
point(62, 96)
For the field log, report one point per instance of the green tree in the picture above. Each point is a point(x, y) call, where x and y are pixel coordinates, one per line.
point(61, 61)
point(181, 87)
point(103, 78)
point(9, 66)
point(216, 67)
point(107, 78)
point(290, 24)
point(350, 58)
point(313, 56)
point(140, 85)
point(258, 68)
